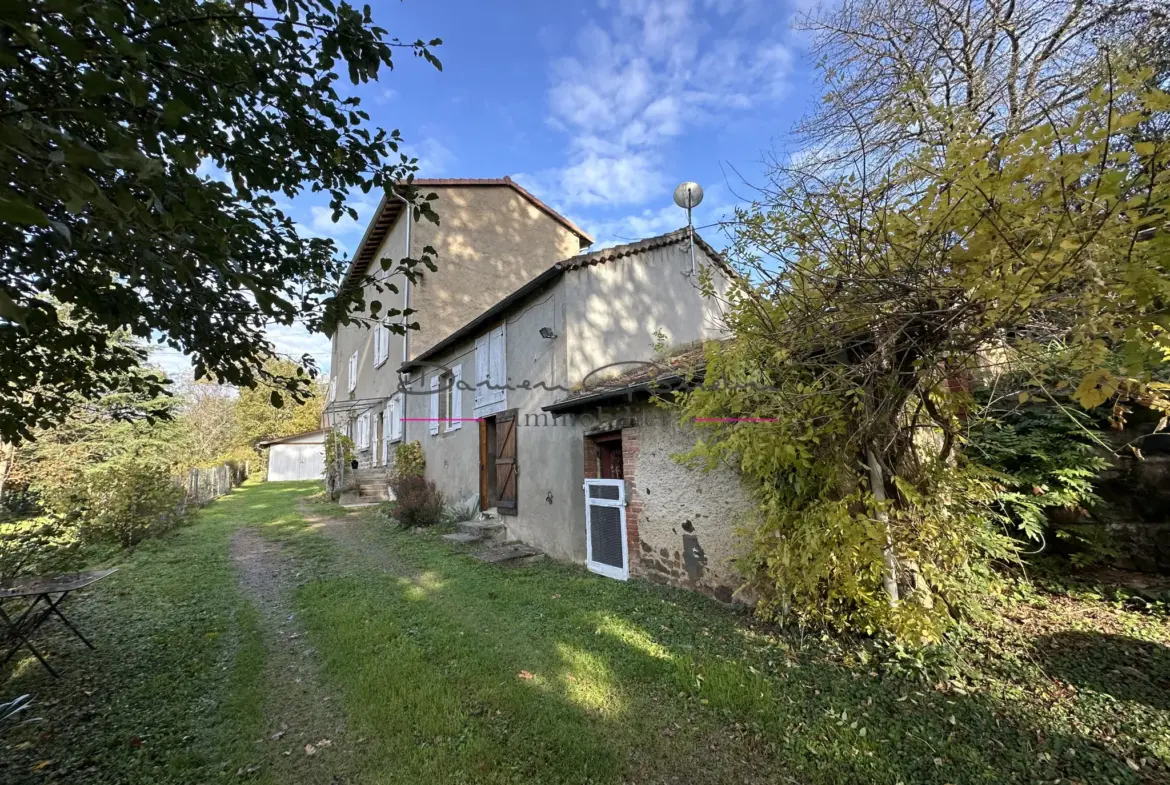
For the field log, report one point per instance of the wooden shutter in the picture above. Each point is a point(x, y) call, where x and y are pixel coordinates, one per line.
point(482, 348)
point(498, 369)
point(507, 468)
point(456, 413)
point(434, 404)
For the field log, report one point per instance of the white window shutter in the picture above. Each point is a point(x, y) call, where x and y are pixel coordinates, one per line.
point(434, 404)
point(482, 365)
point(456, 413)
point(371, 425)
point(396, 417)
point(352, 372)
point(498, 369)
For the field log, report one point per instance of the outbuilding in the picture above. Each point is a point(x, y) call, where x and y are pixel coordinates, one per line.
point(300, 456)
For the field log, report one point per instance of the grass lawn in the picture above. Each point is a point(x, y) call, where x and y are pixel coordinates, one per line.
point(401, 659)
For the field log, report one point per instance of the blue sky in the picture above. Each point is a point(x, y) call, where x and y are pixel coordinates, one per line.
point(600, 107)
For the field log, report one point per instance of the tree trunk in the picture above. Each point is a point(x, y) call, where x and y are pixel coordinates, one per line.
point(877, 484)
point(7, 461)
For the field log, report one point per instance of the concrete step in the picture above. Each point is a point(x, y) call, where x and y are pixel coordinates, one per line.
point(486, 530)
point(355, 499)
point(511, 554)
point(463, 538)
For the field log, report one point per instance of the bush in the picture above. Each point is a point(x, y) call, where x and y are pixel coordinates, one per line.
point(409, 460)
point(463, 511)
point(337, 442)
point(37, 546)
point(417, 502)
point(125, 501)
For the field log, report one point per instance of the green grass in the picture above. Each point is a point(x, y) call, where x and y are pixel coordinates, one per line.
point(172, 693)
point(451, 671)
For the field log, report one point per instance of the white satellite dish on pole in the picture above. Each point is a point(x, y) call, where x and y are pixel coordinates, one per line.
point(688, 196)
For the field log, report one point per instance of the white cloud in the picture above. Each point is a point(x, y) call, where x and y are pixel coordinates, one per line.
point(717, 206)
point(434, 158)
point(654, 72)
point(321, 221)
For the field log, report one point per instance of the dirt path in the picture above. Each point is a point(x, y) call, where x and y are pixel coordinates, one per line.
point(355, 537)
point(305, 723)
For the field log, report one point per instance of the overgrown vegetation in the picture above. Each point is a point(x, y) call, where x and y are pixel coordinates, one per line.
point(409, 460)
point(960, 222)
point(417, 501)
point(448, 670)
point(1048, 456)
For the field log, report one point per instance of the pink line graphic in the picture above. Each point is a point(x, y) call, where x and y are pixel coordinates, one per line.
point(441, 419)
point(736, 419)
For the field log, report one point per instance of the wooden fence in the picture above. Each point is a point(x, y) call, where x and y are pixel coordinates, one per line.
point(203, 485)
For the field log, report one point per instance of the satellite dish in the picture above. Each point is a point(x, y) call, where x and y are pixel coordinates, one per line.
point(688, 195)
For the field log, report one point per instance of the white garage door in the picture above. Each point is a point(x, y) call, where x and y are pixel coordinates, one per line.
point(296, 462)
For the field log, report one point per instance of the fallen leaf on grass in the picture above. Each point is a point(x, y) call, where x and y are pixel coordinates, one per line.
point(248, 770)
point(312, 749)
point(41, 765)
point(276, 736)
point(524, 675)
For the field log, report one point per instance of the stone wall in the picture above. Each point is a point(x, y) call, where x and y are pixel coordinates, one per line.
point(680, 522)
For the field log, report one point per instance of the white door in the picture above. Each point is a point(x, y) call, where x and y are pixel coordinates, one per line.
point(605, 528)
point(296, 462)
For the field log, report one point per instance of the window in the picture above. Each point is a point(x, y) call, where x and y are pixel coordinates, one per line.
point(394, 418)
point(381, 344)
point(363, 431)
point(352, 372)
point(491, 376)
point(451, 399)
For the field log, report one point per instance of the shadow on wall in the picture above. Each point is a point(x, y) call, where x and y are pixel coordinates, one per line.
point(624, 308)
point(1125, 668)
point(491, 242)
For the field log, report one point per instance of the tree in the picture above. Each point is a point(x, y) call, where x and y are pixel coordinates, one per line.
point(899, 75)
point(1030, 260)
point(106, 470)
point(145, 146)
point(260, 416)
point(207, 413)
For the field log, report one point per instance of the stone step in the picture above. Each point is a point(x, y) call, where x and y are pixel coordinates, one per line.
point(487, 530)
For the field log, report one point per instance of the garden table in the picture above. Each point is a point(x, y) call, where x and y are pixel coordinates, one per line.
point(40, 591)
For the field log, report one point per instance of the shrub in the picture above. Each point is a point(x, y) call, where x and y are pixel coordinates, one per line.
point(337, 442)
point(409, 460)
point(126, 500)
point(417, 502)
point(459, 512)
point(37, 546)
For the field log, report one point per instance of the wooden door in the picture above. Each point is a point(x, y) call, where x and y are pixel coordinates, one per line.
point(487, 463)
point(507, 468)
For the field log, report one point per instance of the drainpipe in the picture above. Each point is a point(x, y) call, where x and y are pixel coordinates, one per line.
point(406, 283)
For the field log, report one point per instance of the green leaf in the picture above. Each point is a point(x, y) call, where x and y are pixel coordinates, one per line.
point(10, 310)
point(17, 211)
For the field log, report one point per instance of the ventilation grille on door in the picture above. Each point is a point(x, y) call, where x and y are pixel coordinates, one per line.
point(605, 525)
